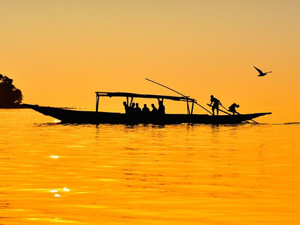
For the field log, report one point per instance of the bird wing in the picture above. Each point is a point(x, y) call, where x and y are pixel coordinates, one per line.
point(258, 70)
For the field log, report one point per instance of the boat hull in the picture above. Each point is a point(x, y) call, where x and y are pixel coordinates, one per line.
point(90, 117)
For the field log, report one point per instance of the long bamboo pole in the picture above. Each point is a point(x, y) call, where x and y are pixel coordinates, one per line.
point(166, 87)
point(203, 107)
point(177, 93)
point(240, 114)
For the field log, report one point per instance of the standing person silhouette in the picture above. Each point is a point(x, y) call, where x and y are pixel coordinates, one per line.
point(126, 107)
point(161, 107)
point(214, 103)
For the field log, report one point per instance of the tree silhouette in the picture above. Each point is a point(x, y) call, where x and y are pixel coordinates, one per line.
point(10, 96)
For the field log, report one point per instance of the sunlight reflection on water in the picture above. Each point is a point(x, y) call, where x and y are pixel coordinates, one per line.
point(181, 174)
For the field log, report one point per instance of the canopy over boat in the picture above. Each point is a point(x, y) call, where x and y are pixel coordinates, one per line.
point(134, 95)
point(130, 96)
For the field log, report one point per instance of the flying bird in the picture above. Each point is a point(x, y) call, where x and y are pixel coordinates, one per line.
point(261, 73)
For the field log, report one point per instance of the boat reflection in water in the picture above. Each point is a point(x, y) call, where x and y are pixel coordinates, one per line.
point(147, 174)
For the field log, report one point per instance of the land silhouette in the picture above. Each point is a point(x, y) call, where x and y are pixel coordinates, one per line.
point(10, 96)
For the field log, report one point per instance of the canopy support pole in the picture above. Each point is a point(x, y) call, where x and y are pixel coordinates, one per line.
point(193, 106)
point(188, 107)
point(97, 102)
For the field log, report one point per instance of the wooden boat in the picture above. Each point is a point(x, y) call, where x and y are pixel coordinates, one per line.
point(97, 117)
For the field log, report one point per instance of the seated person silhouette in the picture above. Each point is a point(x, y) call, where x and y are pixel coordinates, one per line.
point(145, 109)
point(130, 109)
point(154, 109)
point(137, 109)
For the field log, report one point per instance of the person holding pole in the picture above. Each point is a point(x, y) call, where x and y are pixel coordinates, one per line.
point(214, 103)
point(233, 107)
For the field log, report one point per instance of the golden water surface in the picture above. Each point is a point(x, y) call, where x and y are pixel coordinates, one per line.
point(177, 174)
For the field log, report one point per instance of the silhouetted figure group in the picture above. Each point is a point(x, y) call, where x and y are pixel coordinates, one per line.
point(135, 110)
point(216, 103)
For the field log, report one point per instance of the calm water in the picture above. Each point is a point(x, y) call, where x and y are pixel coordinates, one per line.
point(116, 174)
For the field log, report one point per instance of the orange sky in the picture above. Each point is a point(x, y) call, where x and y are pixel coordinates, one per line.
point(60, 52)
